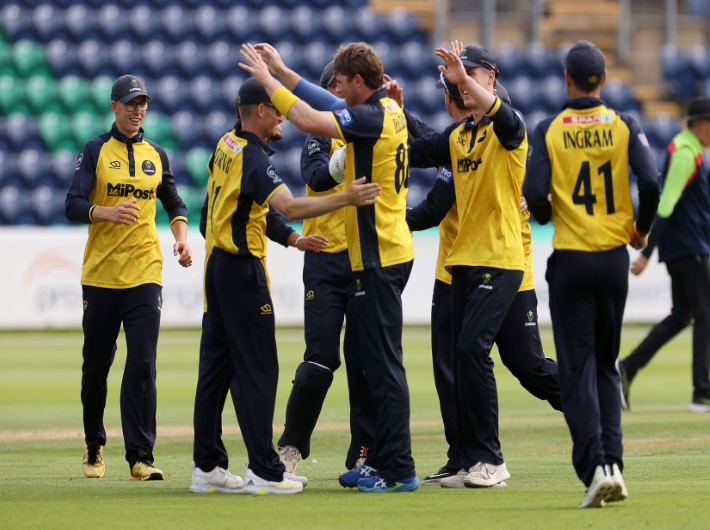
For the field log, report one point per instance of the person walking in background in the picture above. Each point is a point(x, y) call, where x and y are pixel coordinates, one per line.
point(238, 345)
point(682, 234)
point(118, 177)
point(380, 246)
point(580, 158)
point(326, 280)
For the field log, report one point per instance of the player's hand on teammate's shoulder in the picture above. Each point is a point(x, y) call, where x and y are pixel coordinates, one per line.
point(362, 193)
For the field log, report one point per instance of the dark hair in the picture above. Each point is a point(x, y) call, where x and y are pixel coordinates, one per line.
point(360, 58)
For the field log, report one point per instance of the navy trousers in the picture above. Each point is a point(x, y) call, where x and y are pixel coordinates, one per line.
point(376, 312)
point(587, 299)
point(138, 308)
point(238, 352)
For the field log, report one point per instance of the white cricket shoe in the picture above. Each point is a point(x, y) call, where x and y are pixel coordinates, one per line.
point(218, 480)
point(484, 475)
point(600, 488)
point(296, 478)
point(454, 481)
point(260, 486)
point(619, 491)
point(290, 456)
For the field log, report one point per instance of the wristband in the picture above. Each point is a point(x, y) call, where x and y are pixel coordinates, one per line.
point(283, 100)
point(297, 240)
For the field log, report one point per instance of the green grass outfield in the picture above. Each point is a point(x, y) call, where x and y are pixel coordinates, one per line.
point(667, 451)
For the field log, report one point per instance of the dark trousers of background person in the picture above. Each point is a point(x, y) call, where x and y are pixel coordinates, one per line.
point(690, 294)
point(376, 312)
point(587, 300)
point(237, 350)
point(326, 281)
point(138, 308)
point(521, 352)
point(481, 297)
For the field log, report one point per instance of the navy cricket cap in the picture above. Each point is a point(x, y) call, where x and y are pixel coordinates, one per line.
point(452, 89)
point(585, 62)
point(473, 56)
point(328, 75)
point(128, 87)
point(698, 108)
point(252, 93)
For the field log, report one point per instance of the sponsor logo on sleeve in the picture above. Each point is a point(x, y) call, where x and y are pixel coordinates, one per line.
point(271, 172)
point(79, 160)
point(313, 147)
point(444, 174)
point(344, 117)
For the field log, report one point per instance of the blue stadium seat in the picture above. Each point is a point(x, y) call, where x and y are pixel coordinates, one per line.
point(191, 59)
point(22, 132)
point(144, 23)
point(93, 60)
point(553, 91)
point(510, 61)
point(166, 93)
point(177, 24)
point(369, 24)
point(524, 94)
point(661, 128)
point(13, 206)
point(431, 98)
point(315, 56)
point(16, 22)
point(293, 138)
point(216, 124)
point(80, 22)
point(206, 94)
point(47, 205)
point(47, 22)
point(62, 58)
point(533, 118)
point(222, 57)
point(158, 58)
point(338, 24)
point(242, 23)
point(415, 58)
point(620, 96)
point(306, 23)
point(123, 56)
point(541, 61)
point(388, 53)
point(62, 164)
point(33, 167)
point(403, 26)
point(229, 88)
point(274, 23)
point(210, 23)
point(188, 129)
point(8, 168)
point(112, 22)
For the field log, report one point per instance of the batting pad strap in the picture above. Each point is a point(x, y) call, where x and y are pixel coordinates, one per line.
point(283, 100)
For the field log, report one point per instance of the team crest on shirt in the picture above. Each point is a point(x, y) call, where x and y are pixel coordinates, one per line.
point(271, 173)
point(358, 288)
point(486, 281)
point(148, 167)
point(313, 147)
point(531, 319)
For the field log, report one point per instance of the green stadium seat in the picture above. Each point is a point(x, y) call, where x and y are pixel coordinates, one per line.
point(85, 126)
point(159, 129)
point(56, 133)
point(75, 96)
point(6, 65)
point(101, 93)
point(29, 59)
point(12, 95)
point(41, 94)
point(196, 161)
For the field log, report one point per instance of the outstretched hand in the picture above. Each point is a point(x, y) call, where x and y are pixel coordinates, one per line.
point(362, 193)
point(255, 64)
point(452, 68)
point(271, 57)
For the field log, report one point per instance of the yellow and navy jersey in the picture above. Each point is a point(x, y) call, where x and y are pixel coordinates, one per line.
point(488, 163)
point(112, 169)
point(315, 172)
point(241, 182)
point(439, 208)
point(377, 148)
point(581, 157)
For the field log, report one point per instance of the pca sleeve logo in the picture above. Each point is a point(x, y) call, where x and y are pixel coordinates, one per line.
point(271, 173)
